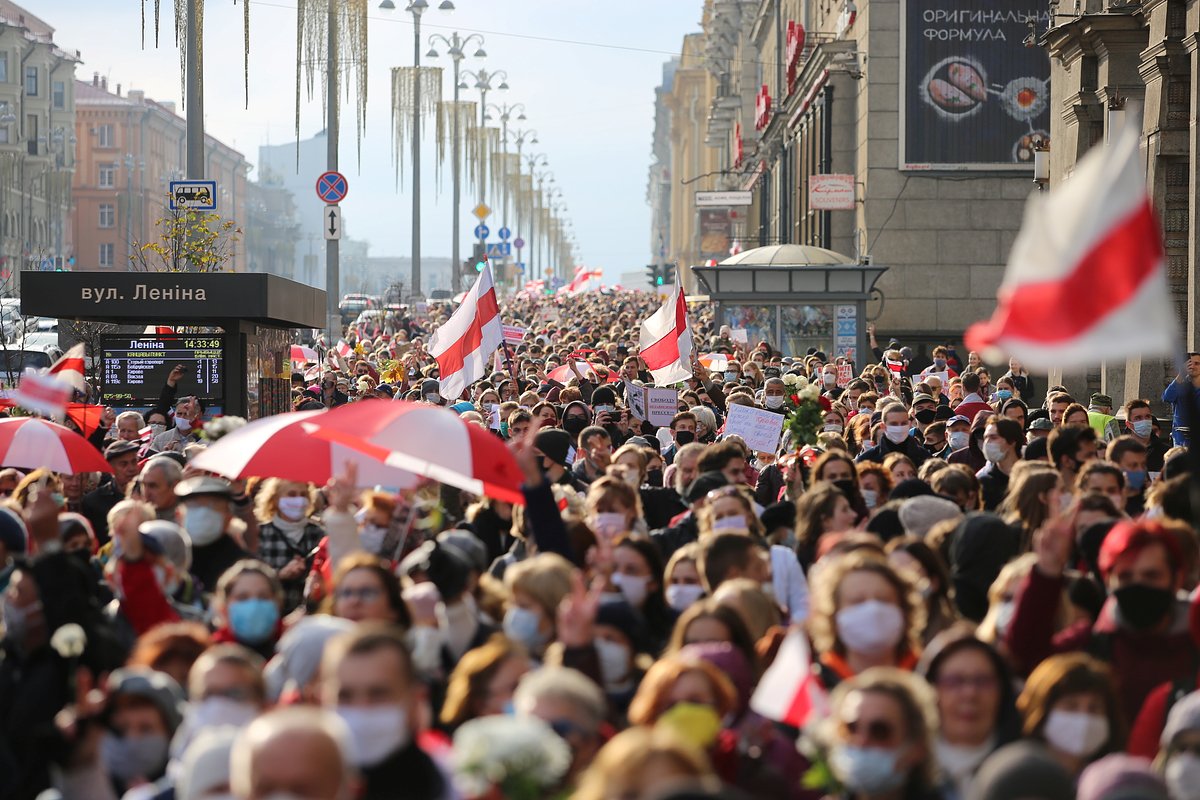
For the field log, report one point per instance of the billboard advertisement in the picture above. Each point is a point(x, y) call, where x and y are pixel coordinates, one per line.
point(972, 94)
point(715, 233)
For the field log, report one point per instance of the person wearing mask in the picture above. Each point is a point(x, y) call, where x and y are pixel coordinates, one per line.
point(572, 705)
point(294, 752)
point(1129, 456)
point(576, 417)
point(958, 433)
point(225, 687)
point(368, 680)
point(186, 431)
point(774, 395)
point(553, 446)
point(896, 439)
point(206, 513)
point(1179, 393)
point(535, 587)
point(246, 607)
point(287, 534)
point(1002, 448)
point(122, 457)
point(1142, 628)
point(1139, 423)
point(1101, 419)
point(431, 392)
point(1175, 749)
point(924, 411)
point(941, 356)
point(683, 432)
point(879, 737)
point(936, 440)
point(1070, 705)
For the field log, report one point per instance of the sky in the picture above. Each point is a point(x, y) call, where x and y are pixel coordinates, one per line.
point(584, 69)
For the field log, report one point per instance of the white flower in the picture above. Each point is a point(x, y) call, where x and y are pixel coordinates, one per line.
point(222, 426)
point(810, 393)
point(791, 379)
point(490, 750)
point(69, 640)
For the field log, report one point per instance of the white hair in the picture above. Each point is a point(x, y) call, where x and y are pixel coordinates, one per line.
point(133, 415)
point(565, 685)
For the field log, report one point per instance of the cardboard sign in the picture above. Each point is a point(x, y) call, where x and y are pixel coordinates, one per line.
point(513, 334)
point(739, 335)
point(494, 417)
point(635, 398)
point(657, 406)
point(759, 428)
point(845, 374)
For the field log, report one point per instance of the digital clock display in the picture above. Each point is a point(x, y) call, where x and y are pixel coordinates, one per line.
point(136, 367)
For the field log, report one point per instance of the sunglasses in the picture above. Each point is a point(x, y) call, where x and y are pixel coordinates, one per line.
point(877, 731)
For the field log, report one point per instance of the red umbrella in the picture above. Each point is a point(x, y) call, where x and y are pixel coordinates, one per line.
point(29, 443)
point(283, 446)
point(588, 369)
point(304, 355)
point(427, 440)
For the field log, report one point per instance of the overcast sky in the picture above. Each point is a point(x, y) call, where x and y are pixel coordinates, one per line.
point(585, 70)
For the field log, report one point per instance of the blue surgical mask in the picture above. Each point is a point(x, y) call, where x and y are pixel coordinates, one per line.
point(253, 621)
point(867, 770)
point(521, 624)
point(1003, 394)
point(1143, 428)
point(1136, 479)
point(939, 364)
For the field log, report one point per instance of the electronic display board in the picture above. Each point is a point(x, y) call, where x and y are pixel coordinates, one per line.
point(136, 367)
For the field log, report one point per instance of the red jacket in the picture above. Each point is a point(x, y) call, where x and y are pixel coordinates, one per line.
point(1141, 661)
point(142, 600)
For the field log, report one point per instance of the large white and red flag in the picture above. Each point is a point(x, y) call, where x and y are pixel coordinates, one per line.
point(463, 345)
point(1086, 279)
point(666, 340)
point(789, 691)
point(70, 368)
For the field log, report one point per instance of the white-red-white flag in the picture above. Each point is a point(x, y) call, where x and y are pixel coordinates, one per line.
point(1086, 279)
point(789, 691)
point(666, 340)
point(158, 330)
point(463, 344)
point(70, 367)
point(43, 393)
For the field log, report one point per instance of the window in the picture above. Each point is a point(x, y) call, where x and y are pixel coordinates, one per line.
point(31, 134)
point(108, 215)
point(58, 93)
point(4, 134)
point(4, 67)
point(104, 136)
point(108, 176)
point(107, 254)
point(31, 81)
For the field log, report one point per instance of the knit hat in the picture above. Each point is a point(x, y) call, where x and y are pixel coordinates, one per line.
point(298, 654)
point(1023, 770)
point(1119, 776)
point(554, 444)
point(157, 687)
point(919, 514)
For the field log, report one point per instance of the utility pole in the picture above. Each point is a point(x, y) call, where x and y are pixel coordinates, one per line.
point(195, 93)
point(416, 10)
point(332, 266)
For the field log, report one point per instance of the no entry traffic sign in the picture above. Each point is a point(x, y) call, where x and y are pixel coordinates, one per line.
point(332, 187)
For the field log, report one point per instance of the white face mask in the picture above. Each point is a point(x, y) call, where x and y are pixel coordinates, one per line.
point(833, 427)
point(870, 627)
point(371, 537)
point(959, 439)
point(633, 587)
point(896, 433)
point(736, 522)
point(682, 595)
point(433, 397)
point(773, 401)
point(1183, 776)
point(156, 428)
point(376, 732)
point(205, 525)
point(184, 425)
point(614, 661)
point(608, 524)
point(1075, 732)
point(292, 508)
point(1004, 615)
point(994, 452)
point(829, 379)
point(870, 497)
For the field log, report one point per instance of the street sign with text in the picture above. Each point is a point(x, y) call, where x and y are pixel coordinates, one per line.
point(707, 199)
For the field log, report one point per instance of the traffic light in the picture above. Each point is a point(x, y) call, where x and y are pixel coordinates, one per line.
point(668, 274)
point(652, 274)
point(479, 256)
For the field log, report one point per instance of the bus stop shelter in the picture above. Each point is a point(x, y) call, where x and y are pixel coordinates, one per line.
point(794, 296)
point(232, 331)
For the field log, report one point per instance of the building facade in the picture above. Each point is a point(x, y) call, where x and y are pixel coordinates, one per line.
point(892, 131)
point(37, 146)
point(1119, 63)
point(272, 227)
point(129, 150)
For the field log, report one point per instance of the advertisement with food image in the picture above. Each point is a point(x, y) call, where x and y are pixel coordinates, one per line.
point(972, 94)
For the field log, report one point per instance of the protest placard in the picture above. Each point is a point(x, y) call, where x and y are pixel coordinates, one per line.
point(845, 374)
point(739, 335)
point(759, 428)
point(661, 405)
point(635, 398)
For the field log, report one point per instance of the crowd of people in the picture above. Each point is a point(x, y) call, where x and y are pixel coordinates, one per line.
point(993, 581)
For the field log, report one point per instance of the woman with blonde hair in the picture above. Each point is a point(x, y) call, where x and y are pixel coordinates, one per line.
point(535, 587)
point(864, 614)
point(642, 763)
point(484, 681)
point(287, 534)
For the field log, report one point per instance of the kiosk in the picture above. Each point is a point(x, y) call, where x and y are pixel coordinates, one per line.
point(232, 332)
point(795, 296)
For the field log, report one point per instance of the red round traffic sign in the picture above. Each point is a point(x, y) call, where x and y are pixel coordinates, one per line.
point(332, 187)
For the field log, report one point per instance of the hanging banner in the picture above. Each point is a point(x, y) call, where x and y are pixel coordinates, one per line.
point(973, 96)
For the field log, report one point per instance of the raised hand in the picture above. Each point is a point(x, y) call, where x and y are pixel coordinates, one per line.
point(342, 488)
point(1052, 543)
point(577, 613)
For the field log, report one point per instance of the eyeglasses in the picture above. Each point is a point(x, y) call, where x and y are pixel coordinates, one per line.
point(366, 593)
point(958, 683)
point(878, 731)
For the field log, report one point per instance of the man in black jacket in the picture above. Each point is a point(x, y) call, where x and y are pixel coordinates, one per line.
point(896, 439)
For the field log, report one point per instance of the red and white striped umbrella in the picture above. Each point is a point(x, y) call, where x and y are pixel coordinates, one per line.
point(304, 355)
point(715, 361)
point(563, 374)
point(283, 446)
point(429, 440)
point(29, 443)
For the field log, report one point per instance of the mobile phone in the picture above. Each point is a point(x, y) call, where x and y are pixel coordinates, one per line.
point(605, 408)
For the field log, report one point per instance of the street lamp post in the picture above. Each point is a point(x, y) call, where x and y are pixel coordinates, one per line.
point(456, 48)
point(552, 194)
point(519, 139)
point(534, 228)
point(504, 112)
point(484, 83)
point(416, 8)
point(532, 162)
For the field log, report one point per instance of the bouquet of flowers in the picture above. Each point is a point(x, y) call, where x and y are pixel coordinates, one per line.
point(805, 410)
point(217, 427)
point(515, 758)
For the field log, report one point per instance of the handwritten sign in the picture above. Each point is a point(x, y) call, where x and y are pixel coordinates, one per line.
point(943, 376)
point(740, 335)
point(759, 428)
point(845, 374)
point(657, 406)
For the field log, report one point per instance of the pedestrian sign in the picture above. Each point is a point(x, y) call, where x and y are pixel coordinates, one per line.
point(481, 211)
point(498, 249)
point(332, 187)
point(504, 233)
point(481, 231)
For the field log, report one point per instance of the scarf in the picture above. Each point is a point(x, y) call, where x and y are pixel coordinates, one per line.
point(292, 529)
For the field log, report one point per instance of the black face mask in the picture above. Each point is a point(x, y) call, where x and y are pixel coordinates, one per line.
point(848, 487)
point(654, 477)
point(574, 425)
point(684, 437)
point(1143, 606)
point(925, 416)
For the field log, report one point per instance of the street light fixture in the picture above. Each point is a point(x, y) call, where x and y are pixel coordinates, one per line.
point(483, 82)
point(456, 47)
point(416, 8)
